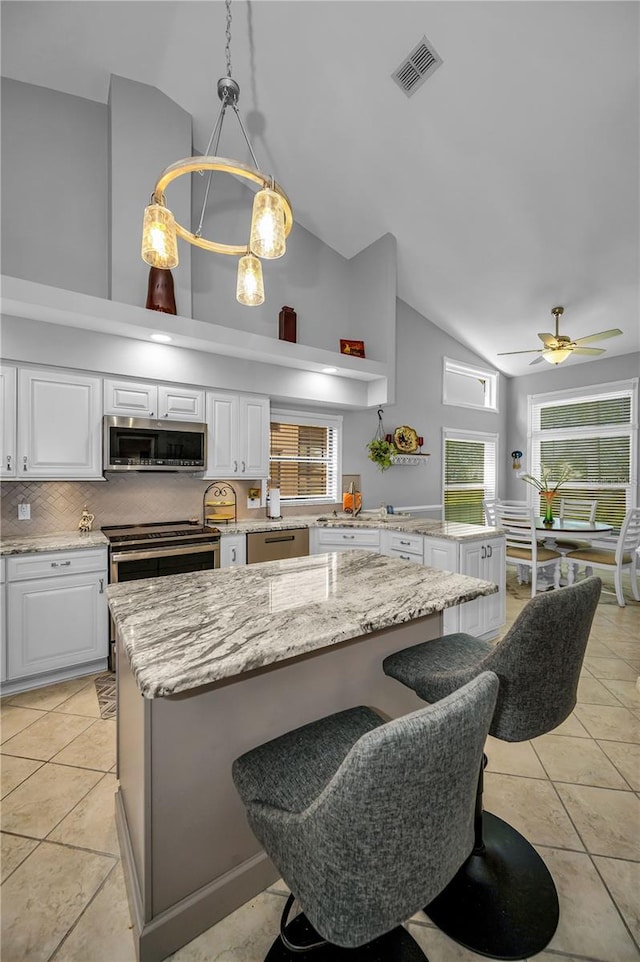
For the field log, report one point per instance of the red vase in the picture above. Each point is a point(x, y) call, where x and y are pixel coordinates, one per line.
point(160, 295)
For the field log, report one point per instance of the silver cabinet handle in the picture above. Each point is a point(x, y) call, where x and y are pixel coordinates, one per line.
point(405, 542)
point(484, 551)
point(244, 468)
point(101, 586)
point(233, 554)
point(489, 551)
point(405, 557)
point(349, 536)
point(151, 414)
point(60, 564)
point(235, 465)
point(8, 462)
point(24, 463)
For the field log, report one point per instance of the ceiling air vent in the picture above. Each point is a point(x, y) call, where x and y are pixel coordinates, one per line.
point(415, 68)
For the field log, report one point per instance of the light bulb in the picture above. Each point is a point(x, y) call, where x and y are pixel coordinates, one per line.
point(159, 241)
point(250, 286)
point(267, 225)
point(556, 356)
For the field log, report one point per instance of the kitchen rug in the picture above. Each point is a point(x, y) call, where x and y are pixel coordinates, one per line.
point(106, 692)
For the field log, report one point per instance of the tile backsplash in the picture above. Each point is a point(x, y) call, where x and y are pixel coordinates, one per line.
point(122, 499)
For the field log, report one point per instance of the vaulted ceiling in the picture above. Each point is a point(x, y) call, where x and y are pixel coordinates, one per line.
point(510, 178)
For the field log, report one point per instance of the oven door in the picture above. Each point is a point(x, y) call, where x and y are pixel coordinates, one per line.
point(168, 560)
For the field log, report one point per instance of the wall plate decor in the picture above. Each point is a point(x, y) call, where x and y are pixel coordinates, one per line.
point(405, 439)
point(354, 348)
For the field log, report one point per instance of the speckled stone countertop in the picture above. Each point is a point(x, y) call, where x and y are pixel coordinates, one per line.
point(449, 530)
point(62, 541)
point(184, 631)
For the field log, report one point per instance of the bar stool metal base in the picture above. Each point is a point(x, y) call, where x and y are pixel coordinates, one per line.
point(394, 946)
point(502, 902)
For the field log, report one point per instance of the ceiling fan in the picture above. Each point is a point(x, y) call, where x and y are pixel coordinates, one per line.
point(558, 347)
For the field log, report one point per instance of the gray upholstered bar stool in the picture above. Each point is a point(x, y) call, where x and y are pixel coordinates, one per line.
point(503, 902)
point(365, 819)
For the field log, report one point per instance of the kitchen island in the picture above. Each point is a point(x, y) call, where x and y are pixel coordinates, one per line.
point(213, 663)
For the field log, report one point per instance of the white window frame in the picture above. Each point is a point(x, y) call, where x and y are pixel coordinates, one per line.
point(333, 422)
point(492, 379)
point(459, 434)
point(593, 392)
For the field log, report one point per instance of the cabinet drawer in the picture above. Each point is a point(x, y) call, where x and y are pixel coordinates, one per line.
point(406, 543)
point(404, 555)
point(328, 538)
point(52, 563)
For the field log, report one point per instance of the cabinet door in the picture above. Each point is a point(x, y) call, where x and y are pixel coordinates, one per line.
point(8, 405)
point(253, 445)
point(472, 562)
point(441, 554)
point(55, 623)
point(222, 421)
point(495, 570)
point(180, 403)
point(60, 429)
point(131, 398)
point(233, 550)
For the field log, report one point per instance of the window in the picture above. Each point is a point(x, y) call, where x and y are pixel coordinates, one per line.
point(469, 387)
point(595, 431)
point(304, 459)
point(469, 460)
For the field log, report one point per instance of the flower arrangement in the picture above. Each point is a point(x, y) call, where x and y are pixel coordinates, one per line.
point(548, 487)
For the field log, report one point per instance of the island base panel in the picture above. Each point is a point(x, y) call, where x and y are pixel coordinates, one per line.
point(192, 857)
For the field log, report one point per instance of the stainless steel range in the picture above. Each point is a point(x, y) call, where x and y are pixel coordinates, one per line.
point(159, 548)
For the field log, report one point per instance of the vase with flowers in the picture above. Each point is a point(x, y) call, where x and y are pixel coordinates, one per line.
point(548, 486)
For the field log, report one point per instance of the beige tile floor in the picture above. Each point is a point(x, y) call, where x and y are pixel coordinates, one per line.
point(574, 793)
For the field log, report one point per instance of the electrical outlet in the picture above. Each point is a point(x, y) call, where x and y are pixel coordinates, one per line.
point(24, 512)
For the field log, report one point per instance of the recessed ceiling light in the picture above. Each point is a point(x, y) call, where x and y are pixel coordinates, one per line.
point(329, 370)
point(163, 338)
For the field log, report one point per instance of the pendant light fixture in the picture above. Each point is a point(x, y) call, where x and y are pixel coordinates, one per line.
point(271, 220)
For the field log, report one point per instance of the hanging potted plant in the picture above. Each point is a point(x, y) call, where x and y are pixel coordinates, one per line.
point(381, 450)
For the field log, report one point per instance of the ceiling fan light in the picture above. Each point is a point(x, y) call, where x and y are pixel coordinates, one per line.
point(250, 286)
point(159, 241)
point(557, 356)
point(267, 224)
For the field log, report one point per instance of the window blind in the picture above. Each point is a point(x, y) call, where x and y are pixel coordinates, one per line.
point(469, 475)
point(596, 434)
point(304, 461)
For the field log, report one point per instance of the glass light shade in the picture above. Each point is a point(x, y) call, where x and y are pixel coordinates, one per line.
point(267, 225)
point(556, 357)
point(250, 286)
point(159, 241)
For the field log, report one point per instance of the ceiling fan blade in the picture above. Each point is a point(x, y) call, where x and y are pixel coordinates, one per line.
point(536, 360)
point(548, 340)
point(502, 353)
point(588, 350)
point(598, 337)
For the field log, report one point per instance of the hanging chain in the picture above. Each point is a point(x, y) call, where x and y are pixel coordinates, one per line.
point(227, 49)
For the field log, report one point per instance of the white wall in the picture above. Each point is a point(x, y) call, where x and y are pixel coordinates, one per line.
point(563, 377)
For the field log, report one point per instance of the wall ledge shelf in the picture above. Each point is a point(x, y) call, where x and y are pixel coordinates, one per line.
point(28, 299)
point(413, 459)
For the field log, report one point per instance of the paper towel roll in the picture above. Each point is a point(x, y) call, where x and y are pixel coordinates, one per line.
point(274, 503)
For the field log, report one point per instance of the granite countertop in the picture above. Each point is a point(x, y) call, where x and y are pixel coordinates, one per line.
point(184, 631)
point(60, 541)
point(449, 530)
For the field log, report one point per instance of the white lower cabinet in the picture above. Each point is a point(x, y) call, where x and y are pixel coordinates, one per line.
point(485, 559)
point(233, 550)
point(57, 619)
point(3, 622)
point(344, 539)
point(408, 547)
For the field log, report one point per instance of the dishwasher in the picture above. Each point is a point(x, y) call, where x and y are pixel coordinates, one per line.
point(274, 545)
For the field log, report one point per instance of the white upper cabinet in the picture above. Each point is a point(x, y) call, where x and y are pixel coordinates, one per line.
point(60, 425)
point(238, 435)
point(144, 400)
point(8, 404)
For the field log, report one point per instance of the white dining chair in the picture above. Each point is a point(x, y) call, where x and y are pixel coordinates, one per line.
point(578, 510)
point(623, 558)
point(522, 548)
point(489, 505)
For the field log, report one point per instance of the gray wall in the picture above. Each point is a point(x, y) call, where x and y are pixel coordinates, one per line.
point(421, 347)
point(54, 198)
point(566, 376)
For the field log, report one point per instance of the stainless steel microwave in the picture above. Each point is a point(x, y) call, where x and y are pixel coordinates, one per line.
point(140, 444)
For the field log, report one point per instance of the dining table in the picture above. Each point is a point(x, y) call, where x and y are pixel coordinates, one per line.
point(574, 528)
